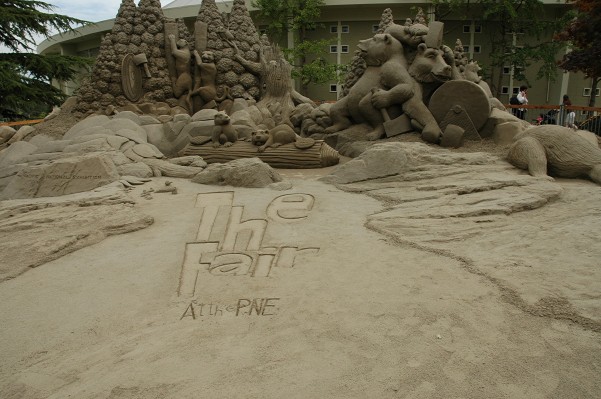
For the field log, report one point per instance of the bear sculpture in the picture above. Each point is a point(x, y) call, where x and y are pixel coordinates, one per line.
point(386, 83)
point(223, 132)
point(557, 150)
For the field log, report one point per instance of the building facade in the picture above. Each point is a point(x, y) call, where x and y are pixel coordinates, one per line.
point(345, 22)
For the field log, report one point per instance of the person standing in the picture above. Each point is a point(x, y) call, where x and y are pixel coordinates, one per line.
point(570, 115)
point(523, 99)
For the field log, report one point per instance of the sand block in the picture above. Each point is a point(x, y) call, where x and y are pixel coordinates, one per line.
point(434, 36)
point(63, 176)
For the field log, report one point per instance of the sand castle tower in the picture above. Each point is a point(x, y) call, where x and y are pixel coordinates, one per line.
point(104, 86)
point(151, 24)
point(247, 39)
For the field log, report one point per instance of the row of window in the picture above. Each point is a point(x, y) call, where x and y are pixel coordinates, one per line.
point(374, 28)
point(466, 49)
point(586, 92)
point(343, 49)
point(466, 29)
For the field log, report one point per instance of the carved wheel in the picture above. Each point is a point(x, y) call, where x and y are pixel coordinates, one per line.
point(131, 79)
point(467, 94)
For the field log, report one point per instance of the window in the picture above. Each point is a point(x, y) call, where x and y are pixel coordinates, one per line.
point(506, 70)
point(343, 29)
point(333, 49)
point(374, 28)
point(334, 88)
point(505, 90)
point(344, 48)
point(467, 28)
point(587, 92)
point(477, 49)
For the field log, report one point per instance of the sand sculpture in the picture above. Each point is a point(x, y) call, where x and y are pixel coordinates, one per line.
point(223, 92)
point(424, 65)
point(150, 64)
point(556, 150)
point(388, 73)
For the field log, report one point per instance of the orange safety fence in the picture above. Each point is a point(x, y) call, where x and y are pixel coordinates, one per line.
point(21, 123)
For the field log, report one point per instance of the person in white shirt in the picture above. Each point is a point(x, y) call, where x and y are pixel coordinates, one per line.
point(570, 114)
point(523, 99)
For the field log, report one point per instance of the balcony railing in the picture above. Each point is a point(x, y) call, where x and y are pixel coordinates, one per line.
point(585, 118)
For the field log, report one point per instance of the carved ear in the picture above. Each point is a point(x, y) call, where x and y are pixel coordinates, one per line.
point(362, 45)
point(421, 48)
point(387, 38)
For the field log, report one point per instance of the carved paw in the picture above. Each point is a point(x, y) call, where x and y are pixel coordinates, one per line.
point(261, 149)
point(379, 99)
point(216, 145)
point(431, 133)
point(448, 55)
point(276, 145)
point(171, 36)
point(374, 136)
point(228, 144)
point(330, 130)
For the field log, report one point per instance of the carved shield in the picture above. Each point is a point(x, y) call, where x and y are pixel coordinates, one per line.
point(131, 79)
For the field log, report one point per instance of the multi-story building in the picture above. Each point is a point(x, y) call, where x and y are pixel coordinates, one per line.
point(345, 22)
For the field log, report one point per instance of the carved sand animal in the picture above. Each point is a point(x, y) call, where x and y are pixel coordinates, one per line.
point(410, 36)
point(387, 83)
point(277, 96)
point(204, 90)
point(557, 150)
point(278, 136)
point(182, 83)
point(471, 73)
point(224, 132)
point(432, 67)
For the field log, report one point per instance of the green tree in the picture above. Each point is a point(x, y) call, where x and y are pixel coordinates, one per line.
point(299, 16)
point(25, 76)
point(516, 29)
point(583, 32)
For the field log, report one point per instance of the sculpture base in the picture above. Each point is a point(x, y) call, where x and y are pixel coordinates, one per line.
point(286, 156)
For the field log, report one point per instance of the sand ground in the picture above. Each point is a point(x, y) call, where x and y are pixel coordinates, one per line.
point(319, 301)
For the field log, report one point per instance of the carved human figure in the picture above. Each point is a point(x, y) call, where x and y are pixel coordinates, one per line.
point(182, 82)
point(204, 79)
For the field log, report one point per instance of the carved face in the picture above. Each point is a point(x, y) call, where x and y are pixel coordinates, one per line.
point(259, 137)
point(207, 57)
point(429, 66)
point(221, 118)
point(379, 49)
point(181, 43)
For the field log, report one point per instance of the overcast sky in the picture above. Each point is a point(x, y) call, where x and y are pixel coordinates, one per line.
point(90, 10)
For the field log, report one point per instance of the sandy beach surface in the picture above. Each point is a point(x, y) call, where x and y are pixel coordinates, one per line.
point(480, 284)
